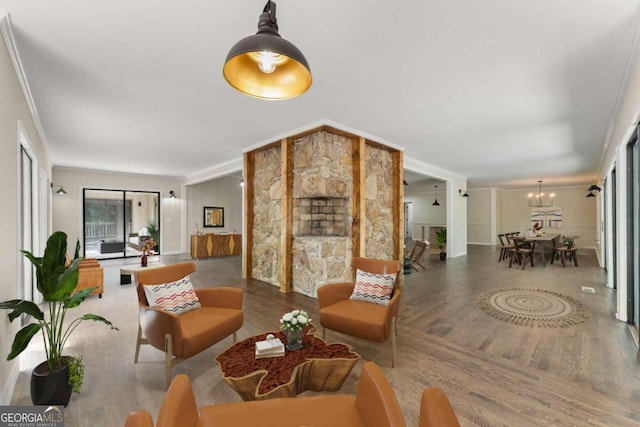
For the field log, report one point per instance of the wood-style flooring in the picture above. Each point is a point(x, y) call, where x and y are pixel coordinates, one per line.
point(495, 373)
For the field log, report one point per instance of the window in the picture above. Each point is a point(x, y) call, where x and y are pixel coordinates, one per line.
point(118, 222)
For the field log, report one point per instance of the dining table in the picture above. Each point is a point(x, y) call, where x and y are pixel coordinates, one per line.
point(544, 240)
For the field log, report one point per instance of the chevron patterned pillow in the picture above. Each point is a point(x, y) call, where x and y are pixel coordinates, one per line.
point(371, 287)
point(176, 297)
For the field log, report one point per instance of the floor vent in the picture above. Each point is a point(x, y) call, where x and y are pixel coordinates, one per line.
point(588, 289)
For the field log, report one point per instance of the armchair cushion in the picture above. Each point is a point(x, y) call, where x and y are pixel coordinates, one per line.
point(357, 318)
point(175, 297)
point(200, 328)
point(371, 287)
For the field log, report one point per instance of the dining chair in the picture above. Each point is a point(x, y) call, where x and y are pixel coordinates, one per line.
point(505, 245)
point(565, 251)
point(417, 253)
point(520, 252)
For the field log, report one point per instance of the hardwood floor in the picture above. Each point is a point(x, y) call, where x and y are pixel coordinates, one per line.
point(495, 373)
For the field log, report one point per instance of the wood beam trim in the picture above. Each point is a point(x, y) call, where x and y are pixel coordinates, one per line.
point(249, 214)
point(398, 206)
point(359, 197)
point(286, 215)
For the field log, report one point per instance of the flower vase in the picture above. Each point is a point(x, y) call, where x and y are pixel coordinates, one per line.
point(143, 260)
point(294, 340)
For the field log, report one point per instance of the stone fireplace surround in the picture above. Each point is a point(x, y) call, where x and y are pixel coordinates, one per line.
point(319, 165)
point(320, 216)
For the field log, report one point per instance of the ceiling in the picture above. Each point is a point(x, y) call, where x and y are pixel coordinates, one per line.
point(503, 92)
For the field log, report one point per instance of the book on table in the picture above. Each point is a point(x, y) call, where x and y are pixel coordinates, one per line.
point(271, 347)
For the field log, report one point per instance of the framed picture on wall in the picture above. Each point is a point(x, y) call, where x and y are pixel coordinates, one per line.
point(546, 217)
point(213, 217)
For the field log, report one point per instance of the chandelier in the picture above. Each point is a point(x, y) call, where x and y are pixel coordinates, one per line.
point(540, 200)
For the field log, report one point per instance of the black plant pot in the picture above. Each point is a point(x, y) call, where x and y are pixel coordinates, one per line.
point(50, 388)
point(443, 256)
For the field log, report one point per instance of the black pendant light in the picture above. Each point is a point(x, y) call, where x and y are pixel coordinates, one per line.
point(436, 202)
point(265, 65)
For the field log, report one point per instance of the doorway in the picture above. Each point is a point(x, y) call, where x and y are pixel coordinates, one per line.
point(408, 221)
point(633, 233)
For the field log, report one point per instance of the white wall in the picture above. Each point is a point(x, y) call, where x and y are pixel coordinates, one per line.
point(13, 108)
point(627, 116)
point(67, 209)
point(223, 192)
point(480, 213)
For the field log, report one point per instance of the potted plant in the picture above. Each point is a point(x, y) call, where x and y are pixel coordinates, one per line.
point(441, 238)
point(154, 231)
point(53, 380)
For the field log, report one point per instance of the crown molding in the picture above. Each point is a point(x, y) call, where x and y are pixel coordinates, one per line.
point(7, 34)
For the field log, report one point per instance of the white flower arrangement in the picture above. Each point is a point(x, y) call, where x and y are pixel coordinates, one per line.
point(295, 320)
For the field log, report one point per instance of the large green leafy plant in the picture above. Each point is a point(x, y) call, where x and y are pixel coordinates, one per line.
point(56, 281)
point(154, 231)
point(441, 238)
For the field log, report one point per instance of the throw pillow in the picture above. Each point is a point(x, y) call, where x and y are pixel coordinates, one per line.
point(175, 297)
point(371, 287)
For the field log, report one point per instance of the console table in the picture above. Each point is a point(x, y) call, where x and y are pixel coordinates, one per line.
point(210, 245)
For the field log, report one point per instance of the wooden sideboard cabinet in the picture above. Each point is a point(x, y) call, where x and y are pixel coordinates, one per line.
point(209, 245)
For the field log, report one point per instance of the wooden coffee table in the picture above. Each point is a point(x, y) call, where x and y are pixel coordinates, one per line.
point(318, 366)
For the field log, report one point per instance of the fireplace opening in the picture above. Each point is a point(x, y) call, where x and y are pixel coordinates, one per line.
point(320, 216)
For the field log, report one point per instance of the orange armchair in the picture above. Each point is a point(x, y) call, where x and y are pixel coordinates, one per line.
point(436, 410)
point(361, 319)
point(181, 336)
point(374, 404)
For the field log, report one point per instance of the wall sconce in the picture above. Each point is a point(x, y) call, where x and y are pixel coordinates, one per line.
point(242, 183)
point(594, 187)
point(265, 65)
point(591, 189)
point(463, 195)
point(60, 190)
point(172, 195)
point(436, 201)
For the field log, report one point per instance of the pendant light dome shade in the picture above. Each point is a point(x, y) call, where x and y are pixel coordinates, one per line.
point(265, 65)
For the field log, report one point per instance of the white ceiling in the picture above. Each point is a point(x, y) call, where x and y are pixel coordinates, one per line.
point(503, 92)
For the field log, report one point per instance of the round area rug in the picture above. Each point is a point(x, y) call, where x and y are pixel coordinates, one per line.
point(532, 307)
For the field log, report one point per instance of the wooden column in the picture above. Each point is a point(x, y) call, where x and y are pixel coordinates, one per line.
point(359, 197)
point(286, 216)
point(247, 235)
point(398, 207)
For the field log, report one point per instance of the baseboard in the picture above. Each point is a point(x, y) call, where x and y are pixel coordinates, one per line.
point(172, 253)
